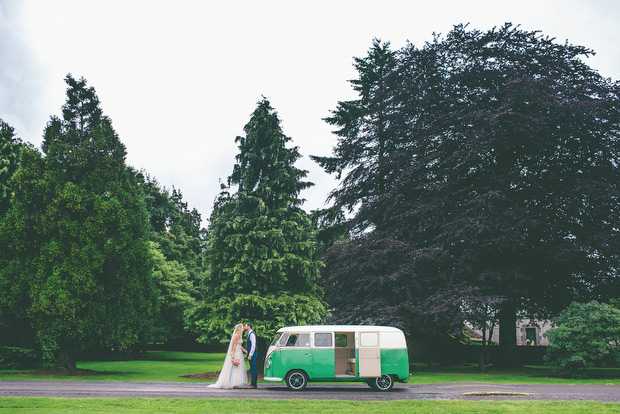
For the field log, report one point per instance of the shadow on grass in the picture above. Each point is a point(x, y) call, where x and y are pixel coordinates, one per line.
point(182, 356)
point(214, 376)
point(61, 372)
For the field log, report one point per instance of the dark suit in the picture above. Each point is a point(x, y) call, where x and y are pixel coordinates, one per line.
point(252, 352)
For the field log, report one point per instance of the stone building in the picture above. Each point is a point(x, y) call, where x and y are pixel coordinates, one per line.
point(530, 332)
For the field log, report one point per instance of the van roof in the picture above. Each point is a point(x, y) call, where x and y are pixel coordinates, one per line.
point(338, 328)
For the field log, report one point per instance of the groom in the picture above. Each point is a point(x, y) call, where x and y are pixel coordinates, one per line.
point(251, 353)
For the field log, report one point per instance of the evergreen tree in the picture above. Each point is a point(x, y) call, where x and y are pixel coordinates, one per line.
point(261, 268)
point(364, 127)
point(10, 147)
point(18, 243)
point(77, 236)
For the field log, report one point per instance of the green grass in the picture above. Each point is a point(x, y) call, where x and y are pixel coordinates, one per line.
point(524, 375)
point(170, 366)
point(161, 405)
point(164, 366)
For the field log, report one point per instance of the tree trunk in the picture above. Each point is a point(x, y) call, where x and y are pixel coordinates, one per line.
point(488, 350)
point(481, 365)
point(481, 361)
point(508, 335)
point(65, 360)
point(428, 353)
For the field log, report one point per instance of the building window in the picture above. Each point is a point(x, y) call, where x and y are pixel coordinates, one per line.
point(530, 336)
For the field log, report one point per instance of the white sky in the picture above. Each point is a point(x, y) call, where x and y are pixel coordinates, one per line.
point(180, 79)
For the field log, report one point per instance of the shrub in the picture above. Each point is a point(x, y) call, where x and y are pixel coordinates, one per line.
point(13, 357)
point(585, 334)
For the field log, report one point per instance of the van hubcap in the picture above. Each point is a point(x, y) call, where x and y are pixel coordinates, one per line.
point(384, 382)
point(297, 380)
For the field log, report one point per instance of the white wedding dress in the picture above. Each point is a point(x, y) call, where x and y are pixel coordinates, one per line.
point(232, 376)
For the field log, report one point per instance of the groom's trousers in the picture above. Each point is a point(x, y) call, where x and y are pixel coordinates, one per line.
point(253, 370)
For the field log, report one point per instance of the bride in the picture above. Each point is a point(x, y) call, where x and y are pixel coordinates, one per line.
point(233, 374)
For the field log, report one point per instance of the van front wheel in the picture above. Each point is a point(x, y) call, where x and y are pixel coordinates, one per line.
point(296, 380)
point(383, 383)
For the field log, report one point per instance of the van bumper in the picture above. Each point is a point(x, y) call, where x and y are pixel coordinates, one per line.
point(275, 379)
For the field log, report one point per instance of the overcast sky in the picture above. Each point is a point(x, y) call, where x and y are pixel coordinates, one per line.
point(180, 79)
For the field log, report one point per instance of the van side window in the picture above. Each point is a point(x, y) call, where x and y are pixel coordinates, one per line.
point(298, 340)
point(341, 340)
point(369, 339)
point(323, 339)
point(284, 339)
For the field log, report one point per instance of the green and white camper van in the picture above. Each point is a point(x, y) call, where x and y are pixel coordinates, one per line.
point(376, 355)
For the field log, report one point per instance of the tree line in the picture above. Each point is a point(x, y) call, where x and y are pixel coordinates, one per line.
point(479, 182)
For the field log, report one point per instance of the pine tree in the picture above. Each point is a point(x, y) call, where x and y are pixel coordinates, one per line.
point(261, 268)
point(77, 235)
point(365, 134)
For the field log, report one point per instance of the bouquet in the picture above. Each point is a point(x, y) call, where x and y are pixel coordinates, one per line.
point(235, 362)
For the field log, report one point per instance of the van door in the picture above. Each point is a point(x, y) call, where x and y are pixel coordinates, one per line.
point(323, 356)
point(369, 355)
point(296, 353)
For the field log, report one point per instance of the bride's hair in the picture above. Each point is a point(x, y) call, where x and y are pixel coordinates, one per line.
point(238, 329)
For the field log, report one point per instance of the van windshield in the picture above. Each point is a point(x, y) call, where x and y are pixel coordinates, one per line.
point(276, 339)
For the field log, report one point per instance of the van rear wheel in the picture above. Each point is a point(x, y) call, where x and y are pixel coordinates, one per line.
point(382, 383)
point(296, 380)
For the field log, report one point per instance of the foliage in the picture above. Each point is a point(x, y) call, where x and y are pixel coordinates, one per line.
point(332, 226)
point(495, 152)
point(174, 296)
point(10, 147)
point(260, 254)
point(167, 210)
point(13, 357)
point(15, 334)
point(175, 228)
point(178, 252)
point(77, 267)
point(364, 130)
point(585, 334)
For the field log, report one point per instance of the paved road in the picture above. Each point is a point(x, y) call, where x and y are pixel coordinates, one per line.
point(446, 391)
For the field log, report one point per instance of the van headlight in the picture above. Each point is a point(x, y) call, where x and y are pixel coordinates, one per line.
point(267, 364)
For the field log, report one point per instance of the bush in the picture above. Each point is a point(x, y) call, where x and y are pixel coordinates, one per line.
point(586, 334)
point(13, 357)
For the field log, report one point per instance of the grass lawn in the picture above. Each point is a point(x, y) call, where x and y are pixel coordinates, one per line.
point(524, 375)
point(161, 405)
point(170, 366)
point(167, 366)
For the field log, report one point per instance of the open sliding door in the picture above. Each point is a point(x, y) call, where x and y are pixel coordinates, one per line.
point(369, 355)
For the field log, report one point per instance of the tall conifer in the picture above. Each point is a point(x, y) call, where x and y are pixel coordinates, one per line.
point(260, 240)
point(77, 235)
